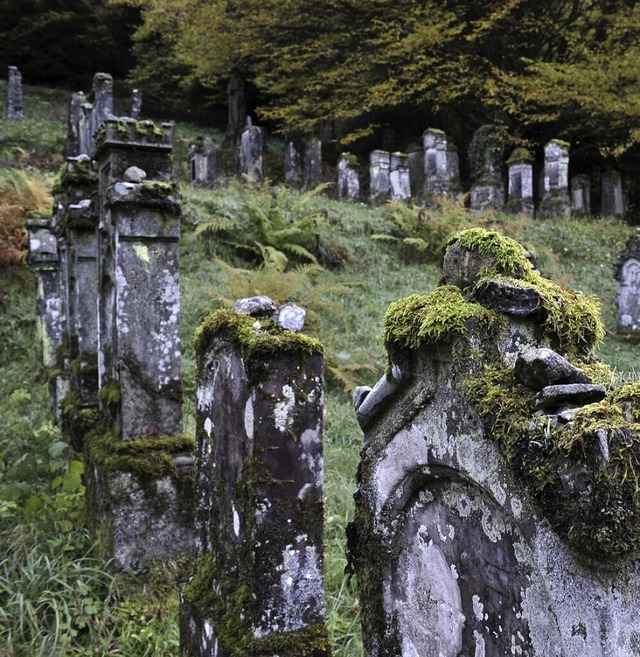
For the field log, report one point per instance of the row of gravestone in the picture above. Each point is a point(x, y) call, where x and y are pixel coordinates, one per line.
point(423, 174)
point(452, 543)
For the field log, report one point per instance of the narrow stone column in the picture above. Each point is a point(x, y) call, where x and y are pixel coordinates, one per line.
point(237, 112)
point(15, 109)
point(348, 181)
point(555, 193)
point(102, 98)
point(313, 163)
point(379, 163)
point(441, 170)
point(202, 163)
point(520, 192)
point(250, 159)
point(140, 470)
point(485, 163)
point(399, 180)
point(292, 172)
point(72, 143)
point(612, 204)
point(258, 588)
point(136, 104)
point(581, 195)
point(44, 261)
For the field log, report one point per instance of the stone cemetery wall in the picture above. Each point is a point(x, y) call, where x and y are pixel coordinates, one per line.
point(497, 508)
point(258, 588)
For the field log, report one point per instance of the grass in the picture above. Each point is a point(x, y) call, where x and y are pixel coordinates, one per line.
point(51, 579)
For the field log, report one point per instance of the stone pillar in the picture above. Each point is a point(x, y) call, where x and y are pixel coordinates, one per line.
point(520, 191)
point(452, 543)
point(251, 151)
point(555, 193)
point(441, 170)
point(237, 112)
point(612, 204)
point(399, 179)
point(140, 470)
point(102, 98)
point(44, 261)
point(348, 180)
point(136, 104)
point(485, 162)
point(581, 195)
point(313, 163)
point(72, 143)
point(258, 588)
point(379, 163)
point(292, 172)
point(202, 163)
point(627, 273)
point(15, 109)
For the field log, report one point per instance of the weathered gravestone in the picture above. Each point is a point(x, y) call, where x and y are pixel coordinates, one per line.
point(139, 468)
point(612, 202)
point(292, 168)
point(555, 182)
point(415, 161)
point(15, 109)
point(485, 163)
point(250, 156)
point(379, 183)
point(520, 188)
point(202, 163)
point(74, 120)
point(399, 177)
point(313, 163)
point(441, 166)
point(348, 179)
point(258, 588)
point(498, 505)
point(627, 273)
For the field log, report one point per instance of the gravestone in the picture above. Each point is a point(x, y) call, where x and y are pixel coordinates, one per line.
point(136, 104)
point(251, 152)
point(555, 184)
point(399, 177)
point(485, 162)
point(313, 163)
point(483, 527)
point(612, 203)
point(101, 98)
point(520, 188)
point(292, 169)
point(258, 588)
point(15, 108)
point(348, 180)
point(140, 479)
point(415, 160)
point(441, 167)
point(72, 143)
point(202, 163)
point(236, 108)
point(627, 274)
point(581, 195)
point(379, 163)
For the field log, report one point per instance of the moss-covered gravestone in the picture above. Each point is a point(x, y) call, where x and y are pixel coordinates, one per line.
point(555, 200)
point(140, 481)
point(498, 503)
point(258, 587)
point(441, 166)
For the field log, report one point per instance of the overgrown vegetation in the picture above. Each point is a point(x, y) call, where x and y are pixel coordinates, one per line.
point(73, 604)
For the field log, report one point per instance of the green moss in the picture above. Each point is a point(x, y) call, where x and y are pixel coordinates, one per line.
point(148, 457)
point(257, 339)
point(442, 316)
point(78, 173)
point(80, 419)
point(520, 155)
point(593, 502)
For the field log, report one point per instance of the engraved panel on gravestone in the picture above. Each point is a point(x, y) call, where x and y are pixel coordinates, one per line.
point(516, 185)
point(431, 165)
point(456, 586)
point(554, 175)
point(629, 295)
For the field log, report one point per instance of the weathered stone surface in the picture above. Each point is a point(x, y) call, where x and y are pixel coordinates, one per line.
point(237, 111)
point(612, 203)
point(399, 177)
point(250, 158)
point(15, 109)
point(292, 169)
point(261, 306)
point(507, 297)
point(540, 368)
point(379, 183)
point(441, 167)
point(259, 518)
point(570, 394)
point(134, 174)
point(136, 104)
point(555, 183)
point(486, 163)
point(463, 267)
point(348, 180)
point(520, 189)
point(202, 162)
point(627, 273)
point(313, 163)
point(581, 195)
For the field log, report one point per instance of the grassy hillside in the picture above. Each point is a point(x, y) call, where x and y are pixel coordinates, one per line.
point(350, 262)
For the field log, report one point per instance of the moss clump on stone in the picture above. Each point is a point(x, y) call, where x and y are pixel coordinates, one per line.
point(80, 173)
point(148, 457)
point(591, 497)
point(257, 339)
point(78, 417)
point(442, 316)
